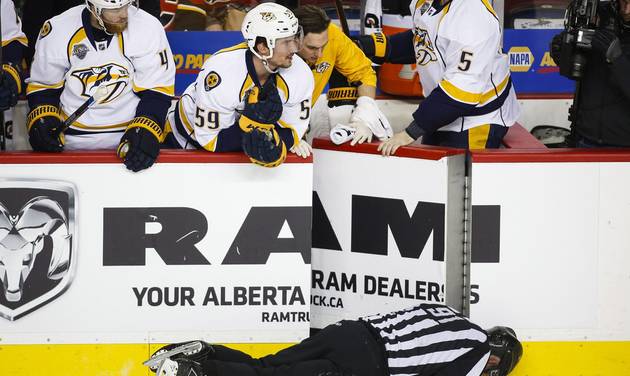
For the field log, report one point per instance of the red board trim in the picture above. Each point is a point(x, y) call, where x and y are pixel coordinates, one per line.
point(414, 151)
point(550, 155)
point(108, 156)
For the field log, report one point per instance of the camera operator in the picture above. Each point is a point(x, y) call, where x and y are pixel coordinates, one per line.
point(597, 56)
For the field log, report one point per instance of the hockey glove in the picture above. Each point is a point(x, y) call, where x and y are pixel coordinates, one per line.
point(607, 44)
point(10, 86)
point(368, 114)
point(263, 106)
point(374, 46)
point(140, 145)
point(264, 147)
point(44, 129)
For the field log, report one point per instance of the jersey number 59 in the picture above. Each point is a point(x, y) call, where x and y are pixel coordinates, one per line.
point(206, 118)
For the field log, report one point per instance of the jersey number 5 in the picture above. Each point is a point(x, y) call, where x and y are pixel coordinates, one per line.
point(464, 61)
point(203, 118)
point(306, 109)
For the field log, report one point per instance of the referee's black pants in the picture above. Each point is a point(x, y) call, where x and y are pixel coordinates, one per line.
point(347, 348)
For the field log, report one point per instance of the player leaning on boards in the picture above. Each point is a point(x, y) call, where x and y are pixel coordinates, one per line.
point(13, 44)
point(456, 46)
point(255, 96)
point(104, 44)
point(326, 48)
point(429, 339)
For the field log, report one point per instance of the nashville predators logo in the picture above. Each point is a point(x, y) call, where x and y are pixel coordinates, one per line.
point(321, 67)
point(45, 30)
point(115, 77)
point(425, 53)
point(267, 16)
point(212, 80)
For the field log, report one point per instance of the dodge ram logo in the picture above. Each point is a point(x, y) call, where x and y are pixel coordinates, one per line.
point(37, 244)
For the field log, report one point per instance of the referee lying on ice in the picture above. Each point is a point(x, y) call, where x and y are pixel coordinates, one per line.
point(429, 339)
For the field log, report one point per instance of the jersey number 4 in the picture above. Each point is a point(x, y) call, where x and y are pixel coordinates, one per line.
point(209, 118)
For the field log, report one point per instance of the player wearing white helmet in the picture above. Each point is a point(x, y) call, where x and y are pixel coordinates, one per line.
point(104, 46)
point(254, 96)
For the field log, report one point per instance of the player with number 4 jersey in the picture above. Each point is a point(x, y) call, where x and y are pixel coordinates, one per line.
point(255, 96)
point(107, 44)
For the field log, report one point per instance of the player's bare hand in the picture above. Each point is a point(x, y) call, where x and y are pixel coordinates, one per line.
point(303, 149)
point(390, 146)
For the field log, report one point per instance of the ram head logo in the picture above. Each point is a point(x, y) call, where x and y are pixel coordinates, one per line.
point(41, 225)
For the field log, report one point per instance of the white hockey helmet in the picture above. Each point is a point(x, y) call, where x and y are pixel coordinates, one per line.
point(270, 21)
point(96, 8)
point(99, 5)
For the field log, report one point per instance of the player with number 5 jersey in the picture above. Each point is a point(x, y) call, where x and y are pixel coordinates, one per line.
point(456, 46)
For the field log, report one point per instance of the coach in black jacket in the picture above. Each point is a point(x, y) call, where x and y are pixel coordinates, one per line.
point(603, 111)
point(429, 339)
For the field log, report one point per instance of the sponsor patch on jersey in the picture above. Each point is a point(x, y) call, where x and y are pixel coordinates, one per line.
point(212, 80)
point(79, 50)
point(45, 30)
point(267, 16)
point(321, 67)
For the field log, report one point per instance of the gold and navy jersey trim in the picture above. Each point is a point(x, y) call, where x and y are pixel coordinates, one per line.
point(166, 90)
point(296, 137)
point(248, 82)
point(33, 87)
point(283, 86)
point(467, 97)
point(77, 37)
point(121, 43)
point(95, 128)
point(239, 46)
point(22, 40)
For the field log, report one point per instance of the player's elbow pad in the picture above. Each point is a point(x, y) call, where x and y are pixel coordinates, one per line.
point(374, 46)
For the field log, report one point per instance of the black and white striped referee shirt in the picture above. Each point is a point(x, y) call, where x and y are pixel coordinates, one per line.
point(431, 339)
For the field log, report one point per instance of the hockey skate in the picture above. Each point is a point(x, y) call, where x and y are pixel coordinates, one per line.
point(195, 351)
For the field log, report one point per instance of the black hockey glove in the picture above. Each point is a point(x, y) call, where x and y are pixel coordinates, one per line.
point(556, 46)
point(264, 147)
point(263, 106)
point(44, 132)
point(140, 145)
point(607, 44)
point(10, 86)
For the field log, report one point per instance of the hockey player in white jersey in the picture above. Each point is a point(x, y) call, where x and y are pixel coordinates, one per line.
point(255, 96)
point(13, 43)
point(106, 45)
point(456, 46)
